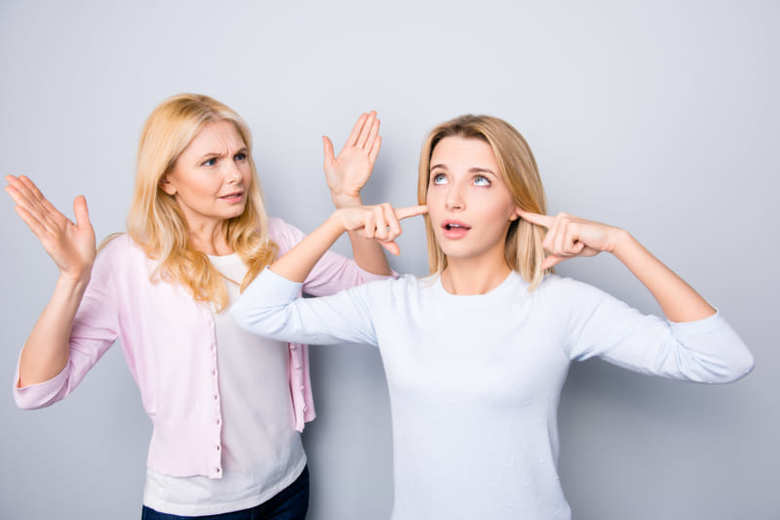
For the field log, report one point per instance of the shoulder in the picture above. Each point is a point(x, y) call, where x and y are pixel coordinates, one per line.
point(396, 291)
point(569, 292)
point(119, 251)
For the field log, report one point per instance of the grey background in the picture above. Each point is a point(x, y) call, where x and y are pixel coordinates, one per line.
point(659, 117)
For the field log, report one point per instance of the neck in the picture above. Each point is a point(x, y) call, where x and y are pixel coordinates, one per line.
point(473, 276)
point(209, 238)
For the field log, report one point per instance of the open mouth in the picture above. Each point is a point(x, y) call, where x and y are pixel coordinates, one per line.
point(454, 230)
point(450, 225)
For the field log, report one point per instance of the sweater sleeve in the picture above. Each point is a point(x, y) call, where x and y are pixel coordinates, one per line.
point(95, 328)
point(705, 351)
point(332, 273)
point(271, 307)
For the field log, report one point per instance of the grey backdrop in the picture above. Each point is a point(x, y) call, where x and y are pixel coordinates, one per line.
point(659, 117)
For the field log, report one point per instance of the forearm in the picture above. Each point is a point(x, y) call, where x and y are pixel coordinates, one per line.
point(46, 350)
point(298, 262)
point(678, 300)
point(368, 254)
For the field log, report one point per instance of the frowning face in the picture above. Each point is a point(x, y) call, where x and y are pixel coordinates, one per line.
point(211, 178)
point(469, 204)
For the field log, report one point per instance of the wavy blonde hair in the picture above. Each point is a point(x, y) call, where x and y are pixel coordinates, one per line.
point(155, 221)
point(517, 167)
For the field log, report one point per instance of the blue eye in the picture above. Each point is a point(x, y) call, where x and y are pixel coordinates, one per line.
point(481, 180)
point(209, 162)
point(439, 178)
point(240, 156)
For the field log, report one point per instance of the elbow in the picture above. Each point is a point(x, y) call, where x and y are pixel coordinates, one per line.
point(24, 402)
point(741, 366)
point(738, 367)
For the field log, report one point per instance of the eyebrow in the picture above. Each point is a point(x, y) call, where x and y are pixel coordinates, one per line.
point(216, 154)
point(475, 169)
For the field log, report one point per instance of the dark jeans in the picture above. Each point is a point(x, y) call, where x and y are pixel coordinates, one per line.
point(289, 504)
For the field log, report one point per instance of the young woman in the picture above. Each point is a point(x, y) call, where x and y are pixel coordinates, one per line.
point(477, 353)
point(226, 405)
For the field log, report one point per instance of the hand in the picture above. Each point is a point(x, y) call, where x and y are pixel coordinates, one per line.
point(349, 172)
point(380, 222)
point(569, 236)
point(71, 246)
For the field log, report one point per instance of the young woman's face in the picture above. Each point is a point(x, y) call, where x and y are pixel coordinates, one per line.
point(469, 205)
point(211, 177)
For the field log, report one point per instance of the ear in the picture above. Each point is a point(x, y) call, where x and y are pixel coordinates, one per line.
point(167, 186)
point(515, 214)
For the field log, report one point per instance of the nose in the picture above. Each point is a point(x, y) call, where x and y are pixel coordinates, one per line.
point(454, 200)
point(233, 174)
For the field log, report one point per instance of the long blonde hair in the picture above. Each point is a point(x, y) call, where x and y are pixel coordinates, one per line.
point(523, 250)
point(155, 221)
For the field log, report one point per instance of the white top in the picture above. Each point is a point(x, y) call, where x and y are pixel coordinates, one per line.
point(475, 381)
point(261, 452)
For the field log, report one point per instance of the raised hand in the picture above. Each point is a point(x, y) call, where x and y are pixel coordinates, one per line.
point(569, 236)
point(348, 172)
point(71, 246)
point(380, 222)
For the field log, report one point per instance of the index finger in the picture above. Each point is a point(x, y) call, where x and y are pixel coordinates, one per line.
point(411, 211)
point(536, 218)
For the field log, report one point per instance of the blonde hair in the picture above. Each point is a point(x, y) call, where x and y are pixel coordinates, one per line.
point(155, 221)
point(523, 250)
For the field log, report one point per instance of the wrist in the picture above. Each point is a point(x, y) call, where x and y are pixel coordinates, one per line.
point(621, 241)
point(336, 223)
point(75, 281)
point(346, 200)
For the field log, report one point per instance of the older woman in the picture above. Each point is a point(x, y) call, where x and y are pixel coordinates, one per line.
point(227, 406)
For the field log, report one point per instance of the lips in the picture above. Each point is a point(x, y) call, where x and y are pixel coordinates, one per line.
point(233, 197)
point(455, 229)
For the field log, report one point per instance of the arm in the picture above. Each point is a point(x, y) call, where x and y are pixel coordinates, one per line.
point(678, 300)
point(695, 343)
point(707, 350)
point(346, 174)
point(72, 247)
point(270, 307)
point(378, 223)
point(570, 236)
point(79, 324)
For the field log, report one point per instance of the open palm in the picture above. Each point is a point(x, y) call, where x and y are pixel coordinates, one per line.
point(71, 245)
point(348, 172)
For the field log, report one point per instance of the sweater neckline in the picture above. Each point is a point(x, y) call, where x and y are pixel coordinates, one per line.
point(512, 281)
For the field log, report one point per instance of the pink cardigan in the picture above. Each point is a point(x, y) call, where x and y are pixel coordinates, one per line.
point(169, 342)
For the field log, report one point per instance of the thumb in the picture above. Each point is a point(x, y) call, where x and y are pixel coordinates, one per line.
point(327, 146)
point(392, 247)
point(81, 212)
point(551, 261)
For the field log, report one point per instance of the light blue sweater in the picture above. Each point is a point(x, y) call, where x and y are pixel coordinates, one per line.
point(475, 381)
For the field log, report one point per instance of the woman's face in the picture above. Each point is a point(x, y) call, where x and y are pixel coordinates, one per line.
point(211, 177)
point(469, 205)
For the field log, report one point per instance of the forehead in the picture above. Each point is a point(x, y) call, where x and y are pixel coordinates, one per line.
point(216, 137)
point(457, 152)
